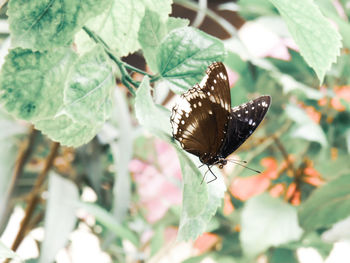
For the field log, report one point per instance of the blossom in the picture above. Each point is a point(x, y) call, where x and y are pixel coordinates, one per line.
point(156, 184)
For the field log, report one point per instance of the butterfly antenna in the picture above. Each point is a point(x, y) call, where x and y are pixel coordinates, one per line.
point(239, 163)
point(237, 160)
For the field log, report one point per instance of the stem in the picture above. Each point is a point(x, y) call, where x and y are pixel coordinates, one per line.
point(126, 78)
point(128, 66)
point(34, 197)
point(221, 21)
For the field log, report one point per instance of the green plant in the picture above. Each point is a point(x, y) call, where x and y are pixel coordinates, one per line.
point(60, 75)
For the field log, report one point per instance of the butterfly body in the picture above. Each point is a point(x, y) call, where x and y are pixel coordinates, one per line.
point(205, 124)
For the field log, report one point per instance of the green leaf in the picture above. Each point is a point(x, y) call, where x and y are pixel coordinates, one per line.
point(6, 253)
point(176, 22)
point(9, 144)
point(119, 25)
point(266, 222)
point(63, 195)
point(318, 40)
point(251, 9)
point(67, 131)
point(163, 8)
point(67, 97)
point(152, 30)
point(108, 220)
point(200, 201)
point(326, 205)
point(46, 24)
point(184, 55)
point(284, 255)
point(88, 92)
point(31, 83)
point(154, 117)
point(122, 151)
point(329, 10)
point(306, 128)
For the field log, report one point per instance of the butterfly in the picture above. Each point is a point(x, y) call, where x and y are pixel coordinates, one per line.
point(205, 124)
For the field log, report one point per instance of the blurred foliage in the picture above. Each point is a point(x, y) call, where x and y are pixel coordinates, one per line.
point(127, 182)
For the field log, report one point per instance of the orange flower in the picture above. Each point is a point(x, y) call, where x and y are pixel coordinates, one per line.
point(312, 112)
point(205, 242)
point(228, 206)
point(244, 188)
point(341, 92)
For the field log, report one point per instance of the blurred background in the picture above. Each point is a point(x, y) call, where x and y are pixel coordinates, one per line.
point(303, 143)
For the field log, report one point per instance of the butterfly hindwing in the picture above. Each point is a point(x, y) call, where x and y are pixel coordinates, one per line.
point(243, 121)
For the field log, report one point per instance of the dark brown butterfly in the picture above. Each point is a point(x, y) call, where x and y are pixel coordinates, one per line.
point(205, 124)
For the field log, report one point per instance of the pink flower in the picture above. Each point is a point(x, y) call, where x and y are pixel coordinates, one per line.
point(261, 42)
point(156, 181)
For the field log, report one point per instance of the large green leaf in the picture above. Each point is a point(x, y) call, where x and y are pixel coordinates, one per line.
point(31, 83)
point(65, 130)
point(63, 195)
point(326, 205)
point(88, 91)
point(266, 222)
point(184, 54)
point(318, 40)
point(152, 30)
point(119, 24)
point(45, 24)
point(66, 96)
point(200, 201)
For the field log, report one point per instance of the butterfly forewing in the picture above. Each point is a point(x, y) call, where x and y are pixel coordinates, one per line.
point(243, 121)
point(215, 85)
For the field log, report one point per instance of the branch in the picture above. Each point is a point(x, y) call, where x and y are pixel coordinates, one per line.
point(290, 165)
point(24, 153)
point(34, 197)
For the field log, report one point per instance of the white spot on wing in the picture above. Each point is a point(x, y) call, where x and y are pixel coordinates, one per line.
point(204, 81)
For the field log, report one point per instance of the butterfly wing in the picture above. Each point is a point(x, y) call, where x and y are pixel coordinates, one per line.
point(243, 121)
point(201, 115)
point(216, 86)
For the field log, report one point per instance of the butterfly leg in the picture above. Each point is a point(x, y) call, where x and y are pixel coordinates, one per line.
point(212, 174)
point(206, 174)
